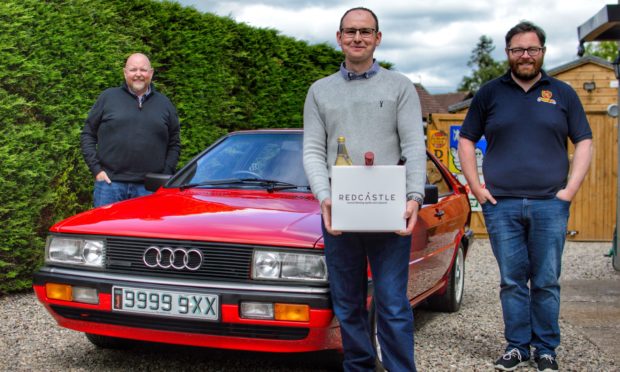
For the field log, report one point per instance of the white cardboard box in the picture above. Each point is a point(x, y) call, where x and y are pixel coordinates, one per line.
point(368, 198)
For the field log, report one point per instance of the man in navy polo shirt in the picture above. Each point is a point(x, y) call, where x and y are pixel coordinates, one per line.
point(526, 117)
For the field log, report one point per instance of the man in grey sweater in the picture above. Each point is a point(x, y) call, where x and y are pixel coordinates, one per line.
point(375, 110)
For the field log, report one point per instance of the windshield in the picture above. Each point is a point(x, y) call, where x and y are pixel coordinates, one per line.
point(264, 156)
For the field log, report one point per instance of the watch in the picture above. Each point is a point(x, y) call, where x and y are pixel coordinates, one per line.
point(417, 198)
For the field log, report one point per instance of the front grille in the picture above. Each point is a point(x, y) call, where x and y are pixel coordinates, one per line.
point(182, 325)
point(220, 261)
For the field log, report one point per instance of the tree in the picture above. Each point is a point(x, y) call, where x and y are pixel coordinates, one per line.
point(607, 50)
point(484, 67)
point(57, 57)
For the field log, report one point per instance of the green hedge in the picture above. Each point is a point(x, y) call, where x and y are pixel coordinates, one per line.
point(57, 56)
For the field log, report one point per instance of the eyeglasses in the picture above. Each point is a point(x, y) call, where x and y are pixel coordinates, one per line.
point(350, 33)
point(531, 51)
point(134, 70)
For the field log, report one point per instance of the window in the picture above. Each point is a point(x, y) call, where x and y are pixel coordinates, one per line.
point(276, 156)
point(435, 177)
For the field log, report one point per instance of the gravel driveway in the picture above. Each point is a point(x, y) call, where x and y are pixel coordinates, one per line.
point(467, 341)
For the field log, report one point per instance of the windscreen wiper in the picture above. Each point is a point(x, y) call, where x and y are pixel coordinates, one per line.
point(226, 181)
point(279, 186)
point(271, 185)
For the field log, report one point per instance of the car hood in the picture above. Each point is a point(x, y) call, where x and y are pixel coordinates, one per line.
point(231, 216)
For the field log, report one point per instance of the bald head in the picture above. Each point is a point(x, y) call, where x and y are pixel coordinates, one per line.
point(137, 58)
point(138, 73)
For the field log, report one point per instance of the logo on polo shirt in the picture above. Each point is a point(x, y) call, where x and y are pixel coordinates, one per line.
point(545, 96)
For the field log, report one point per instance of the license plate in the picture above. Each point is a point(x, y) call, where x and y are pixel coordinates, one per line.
point(165, 303)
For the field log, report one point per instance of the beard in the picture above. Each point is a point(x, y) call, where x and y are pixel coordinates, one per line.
point(138, 85)
point(526, 72)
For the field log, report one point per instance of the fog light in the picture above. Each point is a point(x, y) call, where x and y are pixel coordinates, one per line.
point(58, 291)
point(293, 312)
point(257, 310)
point(86, 295)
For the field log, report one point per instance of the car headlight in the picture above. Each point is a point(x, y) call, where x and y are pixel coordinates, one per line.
point(75, 251)
point(270, 265)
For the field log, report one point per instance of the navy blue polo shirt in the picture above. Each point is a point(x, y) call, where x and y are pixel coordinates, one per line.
point(526, 135)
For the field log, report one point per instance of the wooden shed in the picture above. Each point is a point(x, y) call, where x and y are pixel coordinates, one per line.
point(593, 211)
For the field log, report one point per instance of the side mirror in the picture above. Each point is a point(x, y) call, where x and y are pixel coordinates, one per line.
point(153, 181)
point(431, 194)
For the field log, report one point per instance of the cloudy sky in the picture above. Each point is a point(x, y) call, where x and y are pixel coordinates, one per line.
point(430, 41)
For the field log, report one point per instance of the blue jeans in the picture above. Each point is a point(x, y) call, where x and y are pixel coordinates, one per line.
point(388, 255)
point(105, 193)
point(527, 237)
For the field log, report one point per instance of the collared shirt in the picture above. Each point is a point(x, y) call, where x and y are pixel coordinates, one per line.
point(350, 75)
point(526, 134)
point(142, 97)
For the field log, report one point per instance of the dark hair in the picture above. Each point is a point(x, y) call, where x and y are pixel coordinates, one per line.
point(364, 9)
point(526, 26)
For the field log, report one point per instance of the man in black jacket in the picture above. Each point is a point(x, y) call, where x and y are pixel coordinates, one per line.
point(130, 131)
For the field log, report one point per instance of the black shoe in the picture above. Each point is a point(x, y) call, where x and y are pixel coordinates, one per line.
point(546, 363)
point(510, 361)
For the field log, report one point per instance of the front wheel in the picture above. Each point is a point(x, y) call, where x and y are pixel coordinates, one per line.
point(450, 301)
point(375, 338)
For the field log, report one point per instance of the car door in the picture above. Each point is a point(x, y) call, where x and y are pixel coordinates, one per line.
point(435, 234)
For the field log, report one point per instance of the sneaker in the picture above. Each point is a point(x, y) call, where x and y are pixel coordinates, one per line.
point(510, 361)
point(546, 363)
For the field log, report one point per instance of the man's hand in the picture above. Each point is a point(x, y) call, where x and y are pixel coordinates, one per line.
point(564, 195)
point(483, 195)
point(578, 170)
point(469, 167)
point(103, 176)
point(411, 215)
point(326, 211)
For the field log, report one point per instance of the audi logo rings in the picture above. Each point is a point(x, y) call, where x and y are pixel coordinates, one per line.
point(172, 258)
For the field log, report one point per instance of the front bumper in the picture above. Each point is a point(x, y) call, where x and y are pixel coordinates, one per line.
point(231, 331)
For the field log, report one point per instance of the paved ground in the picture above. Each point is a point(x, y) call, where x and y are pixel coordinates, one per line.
point(593, 306)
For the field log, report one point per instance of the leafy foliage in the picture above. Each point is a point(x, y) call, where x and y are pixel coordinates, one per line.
point(607, 50)
point(484, 67)
point(57, 56)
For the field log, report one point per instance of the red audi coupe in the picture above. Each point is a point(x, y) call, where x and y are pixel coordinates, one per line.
point(228, 253)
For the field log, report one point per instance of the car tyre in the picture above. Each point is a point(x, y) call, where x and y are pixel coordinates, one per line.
point(375, 338)
point(450, 301)
point(107, 342)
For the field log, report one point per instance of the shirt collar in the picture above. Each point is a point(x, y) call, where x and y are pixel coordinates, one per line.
point(350, 75)
point(146, 94)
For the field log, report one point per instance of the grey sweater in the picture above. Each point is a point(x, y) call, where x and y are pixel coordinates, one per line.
point(380, 114)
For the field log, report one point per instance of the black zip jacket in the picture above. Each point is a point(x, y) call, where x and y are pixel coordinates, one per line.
point(127, 139)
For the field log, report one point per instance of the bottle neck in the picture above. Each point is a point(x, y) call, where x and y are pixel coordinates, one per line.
point(342, 157)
